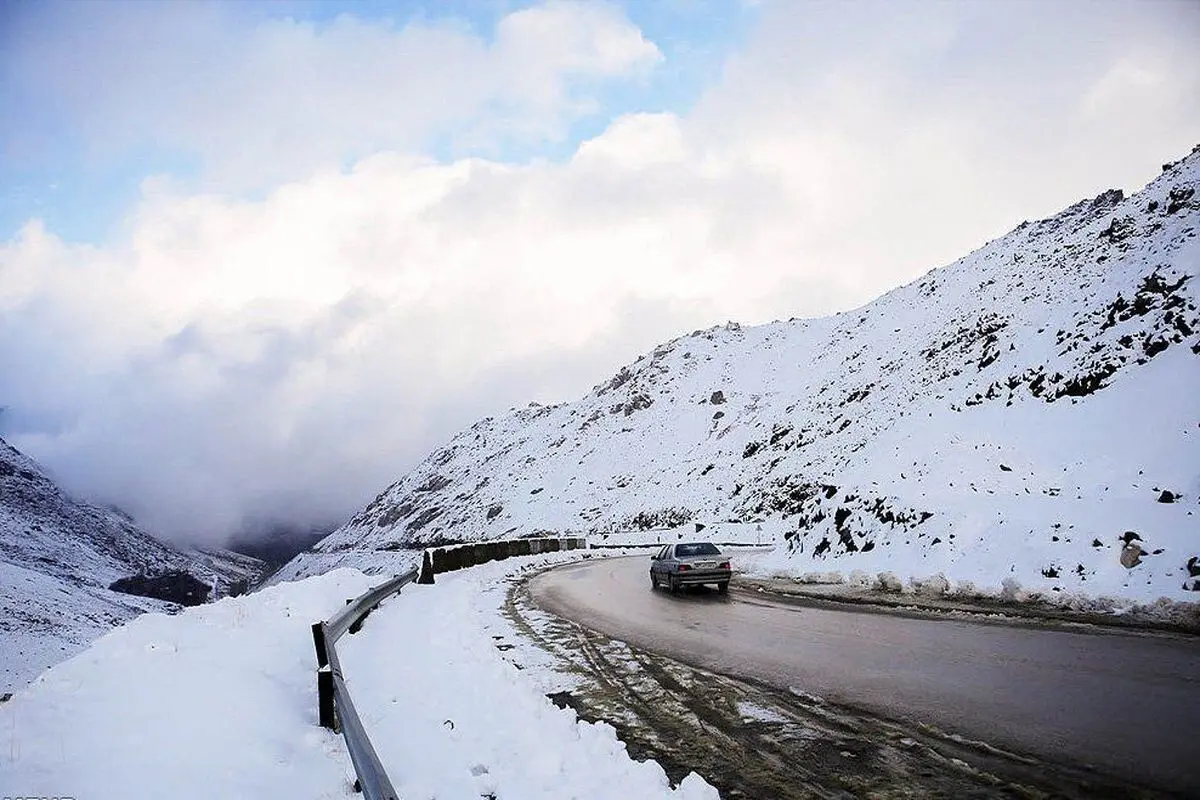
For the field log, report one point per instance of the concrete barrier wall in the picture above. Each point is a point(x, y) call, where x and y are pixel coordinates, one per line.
point(437, 560)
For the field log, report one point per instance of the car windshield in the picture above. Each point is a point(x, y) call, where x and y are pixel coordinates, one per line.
point(697, 549)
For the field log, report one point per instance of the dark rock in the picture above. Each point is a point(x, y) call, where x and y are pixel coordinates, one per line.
point(1178, 197)
point(424, 518)
point(1131, 555)
point(1119, 229)
point(637, 403)
point(174, 587)
point(1168, 497)
point(717, 398)
point(847, 540)
point(434, 483)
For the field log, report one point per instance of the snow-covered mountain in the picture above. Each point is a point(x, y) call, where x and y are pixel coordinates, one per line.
point(1025, 413)
point(57, 558)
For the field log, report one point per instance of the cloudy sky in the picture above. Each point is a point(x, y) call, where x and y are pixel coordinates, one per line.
point(257, 259)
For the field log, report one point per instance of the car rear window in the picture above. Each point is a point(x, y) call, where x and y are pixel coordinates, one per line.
point(697, 549)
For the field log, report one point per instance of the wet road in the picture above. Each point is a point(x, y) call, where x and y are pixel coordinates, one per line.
point(1126, 704)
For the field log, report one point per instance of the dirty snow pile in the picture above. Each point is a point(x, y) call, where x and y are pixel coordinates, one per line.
point(1025, 414)
point(220, 701)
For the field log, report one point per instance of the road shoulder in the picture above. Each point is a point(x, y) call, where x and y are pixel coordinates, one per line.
point(1177, 619)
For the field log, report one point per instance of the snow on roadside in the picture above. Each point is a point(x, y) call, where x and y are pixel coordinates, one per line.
point(45, 619)
point(938, 590)
point(452, 718)
point(220, 701)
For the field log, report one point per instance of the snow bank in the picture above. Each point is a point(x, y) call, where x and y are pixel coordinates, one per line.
point(45, 619)
point(859, 584)
point(452, 718)
point(220, 701)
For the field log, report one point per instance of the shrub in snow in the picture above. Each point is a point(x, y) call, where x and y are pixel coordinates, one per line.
point(860, 579)
point(933, 586)
point(1011, 591)
point(965, 589)
point(822, 577)
point(888, 582)
point(1082, 602)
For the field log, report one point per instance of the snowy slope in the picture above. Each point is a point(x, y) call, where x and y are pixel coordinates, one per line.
point(220, 702)
point(1011, 415)
point(58, 556)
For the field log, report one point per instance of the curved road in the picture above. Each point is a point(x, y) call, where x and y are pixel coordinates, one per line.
point(1126, 704)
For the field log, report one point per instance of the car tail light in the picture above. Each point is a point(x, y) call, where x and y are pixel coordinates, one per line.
point(684, 567)
point(724, 565)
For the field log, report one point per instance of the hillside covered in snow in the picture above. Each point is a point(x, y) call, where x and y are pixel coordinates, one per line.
point(58, 556)
point(1028, 413)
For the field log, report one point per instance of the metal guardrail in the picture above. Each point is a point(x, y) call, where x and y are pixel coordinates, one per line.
point(335, 709)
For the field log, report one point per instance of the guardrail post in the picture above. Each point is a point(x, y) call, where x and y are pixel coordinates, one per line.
point(318, 630)
point(325, 710)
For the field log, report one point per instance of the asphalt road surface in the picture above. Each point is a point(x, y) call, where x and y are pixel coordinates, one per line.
point(1126, 704)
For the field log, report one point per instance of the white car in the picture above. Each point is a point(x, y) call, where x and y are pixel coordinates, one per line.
point(690, 564)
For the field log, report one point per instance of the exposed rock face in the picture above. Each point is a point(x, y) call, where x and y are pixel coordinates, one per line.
point(998, 415)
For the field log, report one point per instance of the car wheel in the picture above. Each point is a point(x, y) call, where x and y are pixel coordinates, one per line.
point(653, 581)
point(723, 587)
point(674, 584)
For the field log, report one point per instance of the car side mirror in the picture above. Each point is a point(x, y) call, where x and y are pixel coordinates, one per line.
point(654, 557)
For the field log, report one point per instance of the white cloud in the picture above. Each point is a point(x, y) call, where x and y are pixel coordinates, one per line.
point(288, 356)
point(263, 102)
